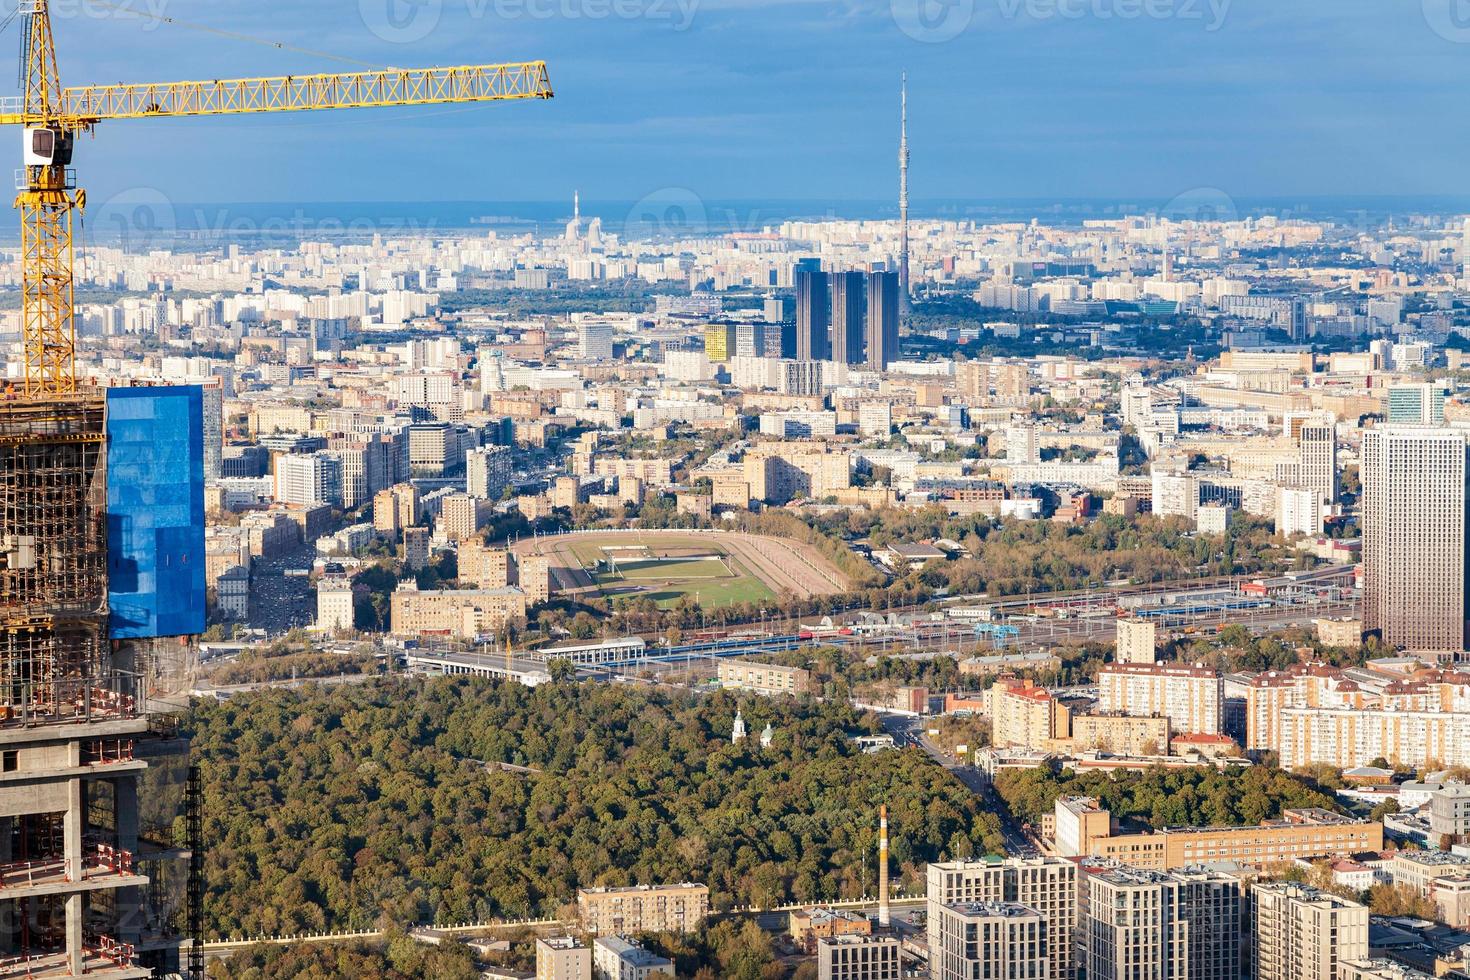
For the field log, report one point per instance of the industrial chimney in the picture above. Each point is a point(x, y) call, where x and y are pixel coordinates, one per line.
point(883, 918)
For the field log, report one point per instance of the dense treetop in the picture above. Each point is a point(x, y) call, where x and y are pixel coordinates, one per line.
point(1159, 797)
point(372, 804)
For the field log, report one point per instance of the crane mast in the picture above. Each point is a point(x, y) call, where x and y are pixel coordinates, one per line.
point(52, 116)
point(46, 200)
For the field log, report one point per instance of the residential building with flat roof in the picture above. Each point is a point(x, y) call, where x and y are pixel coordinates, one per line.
point(1300, 933)
point(607, 911)
point(859, 958)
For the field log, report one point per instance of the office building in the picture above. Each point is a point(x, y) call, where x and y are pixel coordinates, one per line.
point(719, 342)
point(1449, 813)
point(595, 341)
point(813, 316)
point(1153, 925)
point(882, 324)
point(1047, 885)
point(1083, 828)
point(606, 911)
point(1299, 933)
point(308, 478)
point(849, 305)
point(488, 471)
point(808, 926)
point(1416, 404)
point(859, 958)
point(987, 939)
point(1414, 537)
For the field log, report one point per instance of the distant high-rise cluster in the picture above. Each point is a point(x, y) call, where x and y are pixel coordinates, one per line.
point(848, 317)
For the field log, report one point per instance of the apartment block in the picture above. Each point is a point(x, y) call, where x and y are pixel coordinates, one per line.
point(607, 911)
point(563, 958)
point(533, 573)
point(1137, 642)
point(1153, 925)
point(617, 958)
point(859, 958)
point(1047, 885)
point(334, 604)
point(1299, 933)
point(987, 939)
point(1023, 714)
point(459, 613)
point(762, 678)
point(484, 566)
point(1192, 698)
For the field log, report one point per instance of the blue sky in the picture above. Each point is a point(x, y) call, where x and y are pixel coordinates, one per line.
point(798, 99)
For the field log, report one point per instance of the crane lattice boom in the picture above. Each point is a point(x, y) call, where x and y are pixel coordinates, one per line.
point(54, 116)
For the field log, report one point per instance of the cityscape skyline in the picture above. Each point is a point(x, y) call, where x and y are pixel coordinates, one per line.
point(1127, 105)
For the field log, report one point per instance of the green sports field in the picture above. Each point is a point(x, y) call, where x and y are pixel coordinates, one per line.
point(667, 569)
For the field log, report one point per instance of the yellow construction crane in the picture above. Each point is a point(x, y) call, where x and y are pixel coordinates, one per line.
point(53, 117)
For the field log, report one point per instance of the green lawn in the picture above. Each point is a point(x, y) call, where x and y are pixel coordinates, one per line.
point(667, 581)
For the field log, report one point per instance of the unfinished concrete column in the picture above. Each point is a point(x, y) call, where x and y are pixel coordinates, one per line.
point(71, 831)
point(75, 939)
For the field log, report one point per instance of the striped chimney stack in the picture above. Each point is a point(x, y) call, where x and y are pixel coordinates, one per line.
point(883, 917)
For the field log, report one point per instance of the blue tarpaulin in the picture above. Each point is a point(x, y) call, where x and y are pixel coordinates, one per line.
point(155, 511)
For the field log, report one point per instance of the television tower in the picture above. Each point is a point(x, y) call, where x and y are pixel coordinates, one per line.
point(903, 198)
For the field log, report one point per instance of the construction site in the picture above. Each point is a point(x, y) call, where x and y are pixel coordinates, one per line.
point(102, 555)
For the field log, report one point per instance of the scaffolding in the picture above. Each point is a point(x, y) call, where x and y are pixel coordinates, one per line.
point(54, 663)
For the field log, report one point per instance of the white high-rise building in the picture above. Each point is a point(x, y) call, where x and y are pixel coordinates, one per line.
point(308, 478)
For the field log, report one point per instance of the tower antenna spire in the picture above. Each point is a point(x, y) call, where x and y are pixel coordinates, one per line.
point(903, 196)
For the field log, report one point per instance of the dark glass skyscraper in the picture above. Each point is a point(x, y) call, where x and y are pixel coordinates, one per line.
point(883, 289)
point(813, 338)
point(848, 303)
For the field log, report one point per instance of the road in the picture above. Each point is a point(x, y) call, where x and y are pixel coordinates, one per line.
point(907, 731)
point(280, 602)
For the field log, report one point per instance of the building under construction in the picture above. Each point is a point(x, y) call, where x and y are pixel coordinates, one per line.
point(79, 895)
